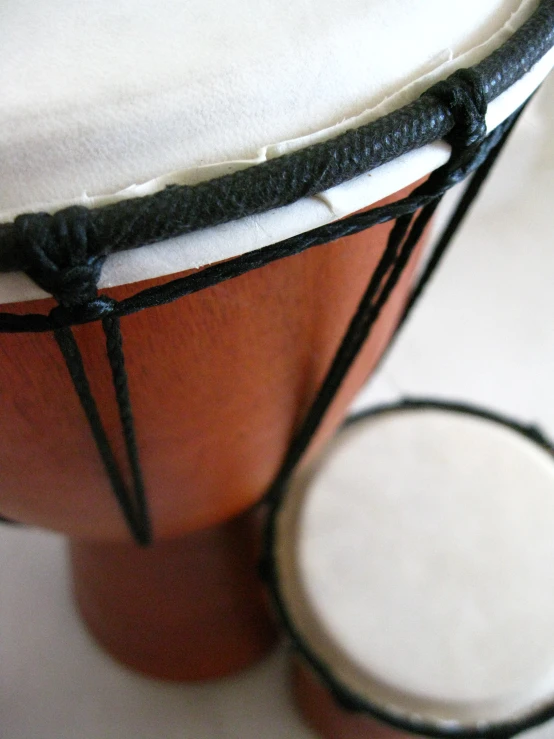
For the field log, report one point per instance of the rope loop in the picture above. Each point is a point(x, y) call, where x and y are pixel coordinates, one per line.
point(58, 253)
point(464, 95)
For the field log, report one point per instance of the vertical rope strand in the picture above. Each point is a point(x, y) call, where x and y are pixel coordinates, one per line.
point(116, 357)
point(484, 154)
point(471, 191)
point(138, 525)
point(393, 262)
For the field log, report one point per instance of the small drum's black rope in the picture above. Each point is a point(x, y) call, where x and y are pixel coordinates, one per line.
point(352, 700)
point(409, 402)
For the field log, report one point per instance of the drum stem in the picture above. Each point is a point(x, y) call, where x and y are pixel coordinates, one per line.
point(186, 609)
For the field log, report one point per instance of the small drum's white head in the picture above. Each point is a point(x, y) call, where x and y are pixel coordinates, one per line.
point(112, 99)
point(417, 563)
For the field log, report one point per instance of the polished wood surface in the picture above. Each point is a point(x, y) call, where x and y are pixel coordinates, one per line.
point(219, 382)
point(185, 609)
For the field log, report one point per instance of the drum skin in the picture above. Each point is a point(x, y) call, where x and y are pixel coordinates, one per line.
point(219, 382)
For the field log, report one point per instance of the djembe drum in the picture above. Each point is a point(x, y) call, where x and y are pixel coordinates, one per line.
point(194, 190)
point(413, 569)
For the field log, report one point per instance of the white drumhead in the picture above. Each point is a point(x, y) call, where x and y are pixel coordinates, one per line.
point(115, 99)
point(417, 563)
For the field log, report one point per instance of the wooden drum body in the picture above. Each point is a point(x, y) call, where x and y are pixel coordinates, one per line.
point(219, 381)
point(148, 149)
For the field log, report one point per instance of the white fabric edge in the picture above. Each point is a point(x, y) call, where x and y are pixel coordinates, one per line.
point(239, 237)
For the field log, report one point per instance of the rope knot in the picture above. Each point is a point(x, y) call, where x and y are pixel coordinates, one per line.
point(464, 95)
point(97, 308)
point(59, 255)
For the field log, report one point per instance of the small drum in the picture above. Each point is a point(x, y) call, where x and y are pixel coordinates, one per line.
point(171, 156)
point(414, 569)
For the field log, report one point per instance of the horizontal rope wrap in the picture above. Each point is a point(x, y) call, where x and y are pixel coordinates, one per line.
point(178, 210)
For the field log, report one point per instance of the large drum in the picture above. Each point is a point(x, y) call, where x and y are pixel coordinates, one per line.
point(413, 568)
point(191, 295)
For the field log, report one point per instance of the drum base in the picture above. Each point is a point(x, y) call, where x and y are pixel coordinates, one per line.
point(186, 609)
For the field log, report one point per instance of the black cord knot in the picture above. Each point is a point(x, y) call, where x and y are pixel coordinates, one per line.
point(464, 95)
point(59, 254)
point(97, 308)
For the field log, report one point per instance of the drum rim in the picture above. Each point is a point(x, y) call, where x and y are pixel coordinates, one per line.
point(341, 693)
point(122, 225)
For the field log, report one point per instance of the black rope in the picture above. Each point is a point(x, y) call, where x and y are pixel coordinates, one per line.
point(132, 502)
point(470, 193)
point(3, 519)
point(393, 262)
point(57, 250)
point(61, 318)
point(533, 432)
point(114, 345)
point(178, 210)
point(218, 273)
point(472, 189)
point(470, 150)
